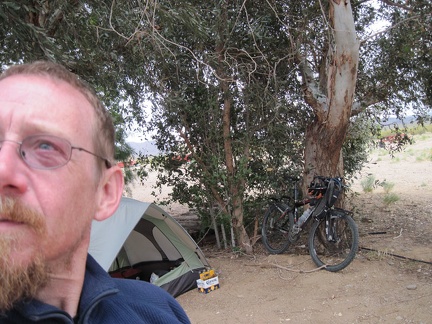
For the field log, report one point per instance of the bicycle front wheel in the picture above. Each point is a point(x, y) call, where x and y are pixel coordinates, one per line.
point(275, 228)
point(333, 240)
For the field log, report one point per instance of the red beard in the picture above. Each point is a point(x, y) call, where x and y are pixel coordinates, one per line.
point(20, 282)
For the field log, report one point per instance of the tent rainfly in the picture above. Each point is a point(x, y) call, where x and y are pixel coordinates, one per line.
point(141, 241)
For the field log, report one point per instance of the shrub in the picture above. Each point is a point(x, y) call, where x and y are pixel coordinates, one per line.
point(368, 184)
point(387, 186)
point(390, 198)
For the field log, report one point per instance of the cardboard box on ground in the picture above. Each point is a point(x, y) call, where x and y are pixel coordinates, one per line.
point(208, 281)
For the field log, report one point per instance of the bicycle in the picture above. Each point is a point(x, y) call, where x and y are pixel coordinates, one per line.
point(333, 236)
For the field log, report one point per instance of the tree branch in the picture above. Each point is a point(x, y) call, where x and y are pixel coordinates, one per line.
point(361, 105)
point(388, 29)
point(394, 4)
point(312, 94)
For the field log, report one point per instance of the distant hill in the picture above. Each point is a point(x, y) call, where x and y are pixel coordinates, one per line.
point(393, 121)
point(146, 148)
point(407, 120)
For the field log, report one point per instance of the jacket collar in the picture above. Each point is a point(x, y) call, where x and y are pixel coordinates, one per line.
point(97, 286)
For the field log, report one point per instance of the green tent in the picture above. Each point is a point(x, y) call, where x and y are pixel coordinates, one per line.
point(142, 241)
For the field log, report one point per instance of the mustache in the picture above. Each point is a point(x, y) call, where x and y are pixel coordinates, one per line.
point(14, 210)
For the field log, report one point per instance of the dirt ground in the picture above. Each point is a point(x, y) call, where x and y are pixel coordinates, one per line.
point(390, 280)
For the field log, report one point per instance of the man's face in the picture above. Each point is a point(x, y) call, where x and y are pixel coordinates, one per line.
point(64, 198)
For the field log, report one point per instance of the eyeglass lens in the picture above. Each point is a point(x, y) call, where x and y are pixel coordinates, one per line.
point(45, 152)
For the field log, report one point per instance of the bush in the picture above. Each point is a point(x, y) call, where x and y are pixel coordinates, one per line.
point(390, 198)
point(368, 184)
point(387, 186)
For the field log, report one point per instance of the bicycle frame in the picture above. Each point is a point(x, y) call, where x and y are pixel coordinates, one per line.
point(283, 213)
point(298, 203)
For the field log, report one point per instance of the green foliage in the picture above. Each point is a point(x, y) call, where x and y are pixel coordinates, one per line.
point(199, 98)
point(425, 155)
point(429, 155)
point(67, 32)
point(394, 71)
point(369, 183)
point(420, 130)
point(411, 129)
point(390, 198)
point(357, 145)
point(387, 186)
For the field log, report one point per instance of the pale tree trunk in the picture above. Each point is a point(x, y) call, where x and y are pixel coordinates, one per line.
point(332, 96)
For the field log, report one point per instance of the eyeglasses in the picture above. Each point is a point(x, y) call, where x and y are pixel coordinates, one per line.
point(48, 152)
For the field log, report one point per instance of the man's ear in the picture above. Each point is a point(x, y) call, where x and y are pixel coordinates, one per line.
point(110, 191)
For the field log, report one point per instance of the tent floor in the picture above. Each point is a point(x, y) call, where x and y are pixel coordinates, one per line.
point(144, 270)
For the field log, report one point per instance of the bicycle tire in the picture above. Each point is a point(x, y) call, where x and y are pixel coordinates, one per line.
point(275, 228)
point(340, 252)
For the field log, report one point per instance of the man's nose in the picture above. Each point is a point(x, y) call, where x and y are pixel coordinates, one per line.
point(12, 169)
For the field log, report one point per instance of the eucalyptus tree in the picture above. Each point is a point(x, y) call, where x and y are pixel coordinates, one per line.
point(346, 71)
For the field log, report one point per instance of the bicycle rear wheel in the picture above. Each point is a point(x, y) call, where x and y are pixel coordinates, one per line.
point(336, 243)
point(276, 225)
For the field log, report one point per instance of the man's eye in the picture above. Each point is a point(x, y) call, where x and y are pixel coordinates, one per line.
point(46, 146)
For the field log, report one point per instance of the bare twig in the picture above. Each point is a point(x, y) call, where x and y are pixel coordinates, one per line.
point(388, 29)
point(400, 234)
point(287, 279)
point(294, 270)
point(394, 4)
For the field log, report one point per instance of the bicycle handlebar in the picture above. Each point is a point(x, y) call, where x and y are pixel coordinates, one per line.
point(326, 181)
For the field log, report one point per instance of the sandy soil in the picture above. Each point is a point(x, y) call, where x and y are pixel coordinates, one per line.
point(390, 281)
